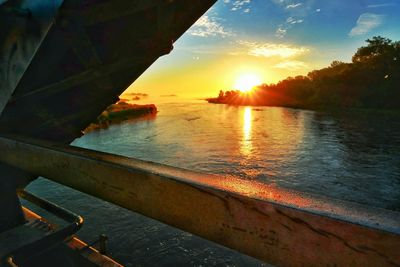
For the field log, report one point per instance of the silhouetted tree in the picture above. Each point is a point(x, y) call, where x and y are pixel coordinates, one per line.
point(372, 80)
point(221, 94)
point(376, 46)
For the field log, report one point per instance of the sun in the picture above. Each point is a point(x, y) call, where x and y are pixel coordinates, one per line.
point(246, 82)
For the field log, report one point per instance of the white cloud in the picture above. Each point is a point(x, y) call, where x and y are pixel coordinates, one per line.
point(381, 5)
point(206, 27)
point(280, 2)
point(239, 5)
point(294, 5)
point(291, 20)
point(281, 31)
point(291, 65)
point(297, 13)
point(365, 23)
point(273, 50)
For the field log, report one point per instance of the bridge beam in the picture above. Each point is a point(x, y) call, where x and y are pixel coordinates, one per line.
point(272, 224)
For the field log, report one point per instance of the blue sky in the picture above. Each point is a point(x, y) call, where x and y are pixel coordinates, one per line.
point(271, 38)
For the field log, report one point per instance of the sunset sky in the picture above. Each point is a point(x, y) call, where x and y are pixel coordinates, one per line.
point(269, 39)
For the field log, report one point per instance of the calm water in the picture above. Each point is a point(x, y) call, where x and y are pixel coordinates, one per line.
point(352, 156)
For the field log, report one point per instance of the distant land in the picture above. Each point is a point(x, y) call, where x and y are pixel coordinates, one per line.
point(168, 95)
point(371, 80)
point(133, 96)
point(137, 94)
point(120, 112)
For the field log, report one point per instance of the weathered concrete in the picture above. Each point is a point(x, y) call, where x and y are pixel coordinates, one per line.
point(275, 225)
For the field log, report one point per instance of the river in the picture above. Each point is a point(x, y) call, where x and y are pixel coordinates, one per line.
point(353, 156)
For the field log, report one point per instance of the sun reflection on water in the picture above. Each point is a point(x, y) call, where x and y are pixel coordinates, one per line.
point(246, 143)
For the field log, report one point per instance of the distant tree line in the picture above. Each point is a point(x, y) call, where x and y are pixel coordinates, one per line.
point(372, 80)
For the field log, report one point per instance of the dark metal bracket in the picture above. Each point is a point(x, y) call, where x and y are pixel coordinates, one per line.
point(20, 243)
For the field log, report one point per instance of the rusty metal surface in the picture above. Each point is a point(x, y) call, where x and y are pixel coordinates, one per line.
point(78, 247)
point(278, 226)
point(89, 54)
point(62, 62)
point(23, 26)
point(32, 238)
point(91, 253)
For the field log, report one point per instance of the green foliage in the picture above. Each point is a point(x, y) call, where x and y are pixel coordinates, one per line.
point(372, 80)
point(377, 46)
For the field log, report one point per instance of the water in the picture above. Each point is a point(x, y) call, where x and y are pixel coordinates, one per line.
point(353, 156)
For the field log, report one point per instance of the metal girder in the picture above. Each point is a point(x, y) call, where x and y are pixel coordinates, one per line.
point(32, 238)
point(109, 10)
point(90, 75)
point(112, 9)
point(23, 26)
point(275, 225)
point(89, 54)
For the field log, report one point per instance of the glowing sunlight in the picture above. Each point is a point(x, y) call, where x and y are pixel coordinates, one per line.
point(245, 83)
point(246, 144)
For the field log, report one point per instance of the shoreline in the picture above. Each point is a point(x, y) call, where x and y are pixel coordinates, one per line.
point(121, 112)
point(320, 109)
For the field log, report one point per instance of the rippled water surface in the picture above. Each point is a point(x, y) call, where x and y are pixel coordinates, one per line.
point(353, 156)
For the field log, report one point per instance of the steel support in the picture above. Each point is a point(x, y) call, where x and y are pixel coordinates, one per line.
point(275, 225)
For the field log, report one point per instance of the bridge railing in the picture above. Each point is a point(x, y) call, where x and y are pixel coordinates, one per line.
point(278, 226)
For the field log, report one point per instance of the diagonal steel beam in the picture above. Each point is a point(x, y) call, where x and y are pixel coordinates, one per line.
point(275, 225)
point(23, 27)
point(92, 74)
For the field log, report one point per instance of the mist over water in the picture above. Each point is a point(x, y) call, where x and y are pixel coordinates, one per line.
point(353, 156)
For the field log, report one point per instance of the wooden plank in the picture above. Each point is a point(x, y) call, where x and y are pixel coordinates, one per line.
point(282, 227)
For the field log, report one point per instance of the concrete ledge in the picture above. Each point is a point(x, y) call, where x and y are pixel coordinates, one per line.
point(278, 226)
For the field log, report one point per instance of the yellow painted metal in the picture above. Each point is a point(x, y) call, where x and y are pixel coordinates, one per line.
point(275, 225)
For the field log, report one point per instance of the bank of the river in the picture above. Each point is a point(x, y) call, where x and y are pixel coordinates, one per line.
point(392, 112)
point(119, 112)
point(352, 156)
